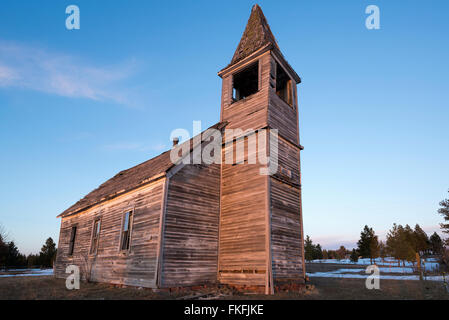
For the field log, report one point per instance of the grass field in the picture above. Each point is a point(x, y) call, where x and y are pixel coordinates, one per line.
point(49, 288)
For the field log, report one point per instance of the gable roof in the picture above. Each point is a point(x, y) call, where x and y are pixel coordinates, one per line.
point(130, 179)
point(257, 35)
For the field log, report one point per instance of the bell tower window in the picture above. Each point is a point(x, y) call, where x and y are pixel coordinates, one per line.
point(246, 82)
point(284, 85)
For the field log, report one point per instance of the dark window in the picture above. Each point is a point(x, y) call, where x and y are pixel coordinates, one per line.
point(95, 236)
point(126, 232)
point(72, 241)
point(283, 85)
point(246, 82)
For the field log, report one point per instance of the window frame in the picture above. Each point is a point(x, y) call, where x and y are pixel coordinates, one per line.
point(92, 237)
point(72, 240)
point(257, 65)
point(288, 86)
point(130, 230)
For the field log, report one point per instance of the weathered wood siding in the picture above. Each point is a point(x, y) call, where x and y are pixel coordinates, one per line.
point(281, 115)
point(243, 218)
point(251, 112)
point(285, 188)
point(286, 231)
point(136, 267)
point(190, 241)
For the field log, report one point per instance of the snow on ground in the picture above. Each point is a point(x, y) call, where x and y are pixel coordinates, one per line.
point(28, 273)
point(336, 274)
point(429, 264)
point(388, 269)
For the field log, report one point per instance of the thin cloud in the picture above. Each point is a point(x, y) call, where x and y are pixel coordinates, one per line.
point(64, 75)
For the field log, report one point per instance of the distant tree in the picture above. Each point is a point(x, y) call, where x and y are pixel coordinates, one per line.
point(33, 260)
point(48, 253)
point(368, 245)
point(436, 244)
point(341, 253)
point(421, 240)
point(444, 211)
point(325, 254)
point(354, 256)
point(374, 248)
point(382, 250)
point(400, 245)
point(309, 249)
point(12, 257)
point(332, 254)
point(318, 254)
point(3, 252)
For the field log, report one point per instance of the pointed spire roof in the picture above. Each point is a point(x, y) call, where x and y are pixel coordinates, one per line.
point(257, 35)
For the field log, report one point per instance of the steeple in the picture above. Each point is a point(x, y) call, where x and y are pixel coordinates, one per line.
point(257, 35)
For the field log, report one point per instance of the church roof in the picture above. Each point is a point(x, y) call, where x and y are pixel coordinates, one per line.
point(257, 35)
point(129, 179)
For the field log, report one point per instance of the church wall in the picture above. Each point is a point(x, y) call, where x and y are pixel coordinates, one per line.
point(137, 267)
point(190, 238)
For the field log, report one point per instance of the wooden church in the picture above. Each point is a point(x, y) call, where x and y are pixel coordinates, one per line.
point(164, 225)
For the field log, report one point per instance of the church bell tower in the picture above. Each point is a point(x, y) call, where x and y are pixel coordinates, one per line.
point(261, 241)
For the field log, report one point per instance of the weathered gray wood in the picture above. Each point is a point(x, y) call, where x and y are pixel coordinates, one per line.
point(191, 226)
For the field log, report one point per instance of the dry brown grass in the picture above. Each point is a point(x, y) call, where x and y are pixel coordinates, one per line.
point(49, 288)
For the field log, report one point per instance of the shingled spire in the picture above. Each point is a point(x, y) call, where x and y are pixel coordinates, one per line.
point(257, 34)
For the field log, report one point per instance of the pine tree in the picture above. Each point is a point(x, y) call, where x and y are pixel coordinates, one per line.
point(444, 211)
point(341, 253)
point(3, 252)
point(400, 244)
point(354, 256)
point(382, 250)
point(12, 257)
point(421, 240)
point(48, 253)
point(309, 249)
point(368, 245)
point(374, 248)
point(436, 244)
point(318, 253)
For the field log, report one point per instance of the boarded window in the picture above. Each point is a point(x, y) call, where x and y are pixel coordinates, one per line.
point(95, 236)
point(72, 241)
point(284, 85)
point(246, 82)
point(126, 231)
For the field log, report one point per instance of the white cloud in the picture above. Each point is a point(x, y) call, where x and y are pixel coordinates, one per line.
point(37, 69)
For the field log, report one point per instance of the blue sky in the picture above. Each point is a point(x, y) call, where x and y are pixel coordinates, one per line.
point(76, 107)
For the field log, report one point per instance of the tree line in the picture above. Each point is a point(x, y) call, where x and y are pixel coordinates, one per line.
point(10, 256)
point(402, 243)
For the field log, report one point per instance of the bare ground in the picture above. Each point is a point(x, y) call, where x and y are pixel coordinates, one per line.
point(49, 288)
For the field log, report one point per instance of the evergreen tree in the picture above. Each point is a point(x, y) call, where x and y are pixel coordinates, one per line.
point(48, 253)
point(3, 252)
point(368, 245)
point(354, 256)
point(309, 249)
point(421, 240)
point(400, 244)
point(341, 253)
point(12, 257)
point(436, 244)
point(382, 250)
point(33, 260)
point(444, 211)
point(318, 253)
